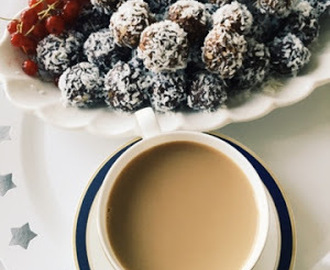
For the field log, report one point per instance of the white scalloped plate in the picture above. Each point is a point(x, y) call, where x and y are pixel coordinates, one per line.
point(43, 99)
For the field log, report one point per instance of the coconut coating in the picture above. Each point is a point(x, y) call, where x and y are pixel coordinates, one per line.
point(192, 17)
point(124, 87)
point(255, 67)
point(164, 47)
point(91, 20)
point(137, 62)
point(211, 8)
point(223, 51)
point(280, 8)
point(235, 16)
point(106, 6)
point(319, 6)
point(265, 27)
point(146, 76)
point(81, 86)
point(303, 23)
point(220, 3)
point(168, 91)
point(129, 21)
point(207, 92)
point(55, 53)
point(100, 49)
point(288, 54)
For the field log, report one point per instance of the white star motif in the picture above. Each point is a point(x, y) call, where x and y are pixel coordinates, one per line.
point(22, 236)
point(4, 133)
point(6, 183)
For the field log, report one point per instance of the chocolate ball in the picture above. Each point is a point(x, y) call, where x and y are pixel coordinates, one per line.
point(235, 16)
point(55, 53)
point(207, 92)
point(167, 91)
point(101, 50)
point(288, 54)
point(128, 22)
point(303, 22)
point(223, 51)
point(265, 27)
point(82, 86)
point(280, 8)
point(191, 16)
point(254, 70)
point(90, 20)
point(164, 47)
point(124, 87)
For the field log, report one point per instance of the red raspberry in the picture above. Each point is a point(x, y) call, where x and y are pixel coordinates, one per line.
point(55, 24)
point(33, 3)
point(38, 5)
point(17, 39)
point(39, 31)
point(26, 27)
point(12, 26)
point(71, 10)
point(29, 46)
point(29, 16)
point(30, 67)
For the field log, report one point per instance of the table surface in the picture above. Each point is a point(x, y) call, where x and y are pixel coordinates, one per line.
point(51, 167)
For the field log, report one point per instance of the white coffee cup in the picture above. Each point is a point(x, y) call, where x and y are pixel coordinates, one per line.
point(155, 138)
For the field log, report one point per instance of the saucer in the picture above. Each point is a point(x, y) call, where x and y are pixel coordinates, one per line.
point(279, 251)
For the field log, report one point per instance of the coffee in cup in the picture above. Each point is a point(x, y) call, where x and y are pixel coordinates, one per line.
point(182, 201)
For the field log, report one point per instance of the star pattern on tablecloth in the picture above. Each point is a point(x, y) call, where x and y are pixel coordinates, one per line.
point(5, 133)
point(6, 183)
point(22, 236)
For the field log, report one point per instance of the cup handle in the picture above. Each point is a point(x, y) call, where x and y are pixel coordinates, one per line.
point(147, 123)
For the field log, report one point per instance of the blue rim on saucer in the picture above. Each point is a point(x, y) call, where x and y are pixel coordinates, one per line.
point(287, 254)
